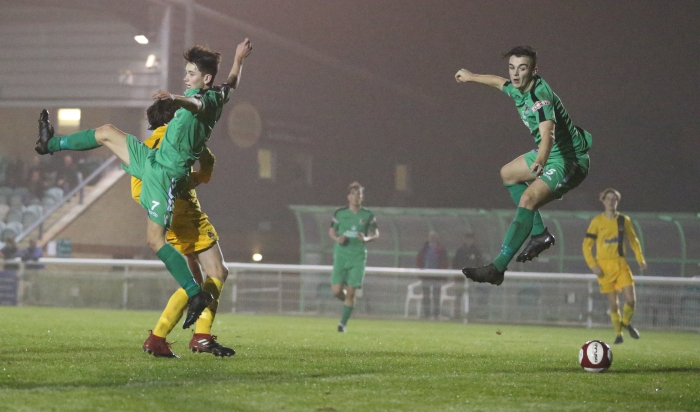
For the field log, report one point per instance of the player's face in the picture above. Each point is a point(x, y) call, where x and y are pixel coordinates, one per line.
point(521, 71)
point(194, 79)
point(355, 197)
point(610, 201)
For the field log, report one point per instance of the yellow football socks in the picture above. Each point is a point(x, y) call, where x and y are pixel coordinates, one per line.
point(627, 313)
point(172, 313)
point(615, 318)
point(205, 321)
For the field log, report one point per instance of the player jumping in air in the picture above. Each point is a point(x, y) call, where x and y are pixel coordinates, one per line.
point(193, 235)
point(536, 178)
point(607, 232)
point(351, 228)
point(164, 171)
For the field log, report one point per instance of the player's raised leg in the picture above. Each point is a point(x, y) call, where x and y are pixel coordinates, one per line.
point(516, 180)
point(203, 341)
point(107, 135)
point(534, 197)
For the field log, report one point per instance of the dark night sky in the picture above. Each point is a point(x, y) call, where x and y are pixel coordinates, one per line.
point(627, 71)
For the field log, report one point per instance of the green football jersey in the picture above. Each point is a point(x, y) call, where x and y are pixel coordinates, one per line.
point(349, 224)
point(541, 104)
point(188, 132)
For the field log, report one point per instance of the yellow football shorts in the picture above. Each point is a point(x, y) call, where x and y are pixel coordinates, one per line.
point(616, 275)
point(191, 232)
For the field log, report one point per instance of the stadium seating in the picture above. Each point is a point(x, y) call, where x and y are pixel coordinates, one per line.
point(52, 196)
point(445, 297)
point(31, 214)
point(20, 191)
point(16, 200)
point(5, 193)
point(411, 296)
point(14, 214)
point(3, 211)
point(12, 230)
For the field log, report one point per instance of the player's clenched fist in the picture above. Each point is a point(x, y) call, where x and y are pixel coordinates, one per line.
point(244, 49)
point(463, 76)
point(163, 95)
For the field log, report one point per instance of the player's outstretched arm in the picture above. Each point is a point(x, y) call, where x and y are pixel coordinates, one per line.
point(188, 103)
point(242, 51)
point(464, 76)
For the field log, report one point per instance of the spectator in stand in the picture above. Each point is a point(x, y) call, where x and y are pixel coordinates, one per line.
point(36, 188)
point(13, 172)
point(9, 251)
point(432, 256)
point(468, 255)
point(32, 254)
point(68, 175)
point(33, 166)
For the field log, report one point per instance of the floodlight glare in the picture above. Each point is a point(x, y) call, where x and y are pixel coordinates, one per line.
point(257, 257)
point(151, 61)
point(141, 39)
point(69, 115)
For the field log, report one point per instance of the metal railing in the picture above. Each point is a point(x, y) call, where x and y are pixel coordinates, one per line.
point(67, 197)
point(536, 298)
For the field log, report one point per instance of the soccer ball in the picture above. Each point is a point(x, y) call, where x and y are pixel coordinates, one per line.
point(595, 356)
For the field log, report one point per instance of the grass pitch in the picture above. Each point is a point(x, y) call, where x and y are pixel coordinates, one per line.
point(91, 360)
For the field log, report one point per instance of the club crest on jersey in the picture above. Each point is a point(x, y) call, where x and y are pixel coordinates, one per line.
point(538, 105)
point(354, 227)
point(362, 221)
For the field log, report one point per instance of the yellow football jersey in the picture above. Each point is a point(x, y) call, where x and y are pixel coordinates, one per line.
point(190, 230)
point(608, 235)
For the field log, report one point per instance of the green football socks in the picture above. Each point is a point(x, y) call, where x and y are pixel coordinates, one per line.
point(516, 192)
point(82, 140)
point(176, 264)
point(517, 233)
point(347, 311)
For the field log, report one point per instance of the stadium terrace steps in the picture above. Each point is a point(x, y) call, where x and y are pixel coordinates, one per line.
point(68, 212)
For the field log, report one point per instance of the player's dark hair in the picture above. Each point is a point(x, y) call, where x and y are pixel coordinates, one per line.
point(207, 61)
point(522, 51)
point(610, 190)
point(355, 186)
point(160, 113)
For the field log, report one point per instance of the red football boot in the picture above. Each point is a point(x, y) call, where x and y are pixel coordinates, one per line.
point(205, 343)
point(158, 347)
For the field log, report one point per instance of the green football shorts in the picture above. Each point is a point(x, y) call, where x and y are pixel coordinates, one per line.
point(157, 186)
point(561, 175)
point(348, 271)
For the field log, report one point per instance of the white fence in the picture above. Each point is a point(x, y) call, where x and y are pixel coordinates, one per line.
point(533, 298)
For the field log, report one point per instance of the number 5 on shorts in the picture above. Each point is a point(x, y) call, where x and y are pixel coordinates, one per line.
point(155, 204)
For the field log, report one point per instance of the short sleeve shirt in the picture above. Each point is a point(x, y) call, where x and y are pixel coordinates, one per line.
point(349, 224)
point(540, 104)
point(188, 132)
